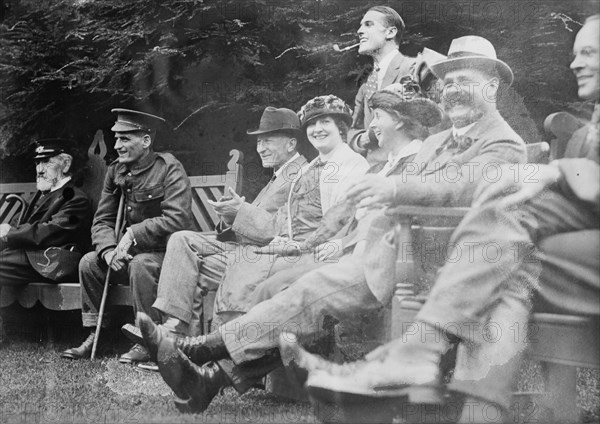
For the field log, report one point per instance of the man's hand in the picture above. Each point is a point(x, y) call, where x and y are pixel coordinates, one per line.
point(518, 184)
point(372, 191)
point(227, 208)
point(110, 259)
point(4, 229)
point(118, 258)
point(329, 251)
point(281, 246)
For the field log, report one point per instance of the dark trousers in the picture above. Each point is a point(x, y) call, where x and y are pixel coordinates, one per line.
point(141, 275)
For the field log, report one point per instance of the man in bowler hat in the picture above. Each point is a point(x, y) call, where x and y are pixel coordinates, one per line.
point(155, 195)
point(50, 236)
point(195, 261)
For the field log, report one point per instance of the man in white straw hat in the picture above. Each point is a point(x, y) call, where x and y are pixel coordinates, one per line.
point(543, 236)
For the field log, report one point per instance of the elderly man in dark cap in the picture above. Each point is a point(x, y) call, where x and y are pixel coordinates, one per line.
point(196, 261)
point(154, 193)
point(49, 238)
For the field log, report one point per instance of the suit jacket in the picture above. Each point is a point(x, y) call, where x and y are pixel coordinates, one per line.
point(580, 170)
point(399, 67)
point(54, 232)
point(273, 196)
point(440, 177)
point(158, 202)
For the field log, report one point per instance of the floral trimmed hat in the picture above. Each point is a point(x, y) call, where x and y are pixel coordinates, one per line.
point(324, 105)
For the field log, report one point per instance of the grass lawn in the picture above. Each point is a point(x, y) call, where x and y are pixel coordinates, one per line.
point(36, 385)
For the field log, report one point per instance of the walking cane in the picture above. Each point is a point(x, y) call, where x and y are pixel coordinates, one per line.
point(119, 224)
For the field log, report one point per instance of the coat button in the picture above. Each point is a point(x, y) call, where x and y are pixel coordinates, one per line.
point(128, 208)
point(128, 190)
point(149, 196)
point(129, 174)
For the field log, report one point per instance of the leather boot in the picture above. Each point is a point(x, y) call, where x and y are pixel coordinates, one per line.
point(137, 353)
point(152, 334)
point(203, 349)
point(3, 336)
point(84, 350)
point(194, 386)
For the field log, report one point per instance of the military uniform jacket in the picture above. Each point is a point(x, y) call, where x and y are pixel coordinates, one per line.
point(54, 232)
point(158, 202)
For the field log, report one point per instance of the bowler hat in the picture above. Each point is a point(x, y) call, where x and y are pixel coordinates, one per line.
point(134, 120)
point(471, 51)
point(274, 119)
point(50, 147)
point(324, 105)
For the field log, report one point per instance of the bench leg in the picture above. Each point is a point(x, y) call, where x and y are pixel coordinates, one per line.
point(561, 385)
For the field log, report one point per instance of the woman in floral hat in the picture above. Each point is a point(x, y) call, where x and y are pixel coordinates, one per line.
point(318, 186)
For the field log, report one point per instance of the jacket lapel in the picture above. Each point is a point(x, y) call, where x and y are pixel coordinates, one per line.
point(393, 72)
point(288, 175)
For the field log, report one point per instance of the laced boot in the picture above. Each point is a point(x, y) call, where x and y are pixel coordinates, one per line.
point(194, 386)
point(84, 350)
point(203, 349)
point(152, 334)
point(408, 366)
point(299, 363)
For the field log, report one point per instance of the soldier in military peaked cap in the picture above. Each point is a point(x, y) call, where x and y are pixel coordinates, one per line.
point(157, 202)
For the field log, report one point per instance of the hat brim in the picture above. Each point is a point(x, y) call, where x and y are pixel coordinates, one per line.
point(259, 131)
point(441, 68)
point(120, 127)
point(345, 117)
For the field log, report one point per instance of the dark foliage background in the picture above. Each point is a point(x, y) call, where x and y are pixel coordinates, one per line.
point(210, 67)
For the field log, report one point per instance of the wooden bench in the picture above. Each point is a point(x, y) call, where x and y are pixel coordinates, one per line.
point(562, 342)
point(66, 296)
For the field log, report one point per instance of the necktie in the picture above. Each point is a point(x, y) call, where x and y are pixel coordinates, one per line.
point(459, 143)
point(372, 85)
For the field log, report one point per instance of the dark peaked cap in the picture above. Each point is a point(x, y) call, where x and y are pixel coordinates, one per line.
point(49, 147)
point(133, 120)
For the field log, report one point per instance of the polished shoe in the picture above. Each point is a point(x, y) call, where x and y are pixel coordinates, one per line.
point(194, 386)
point(413, 372)
point(298, 362)
point(133, 333)
point(203, 349)
point(152, 334)
point(137, 353)
point(83, 351)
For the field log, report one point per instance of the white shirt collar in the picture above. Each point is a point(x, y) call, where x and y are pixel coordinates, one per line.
point(60, 183)
point(290, 160)
point(383, 65)
point(412, 148)
point(462, 130)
